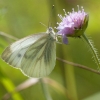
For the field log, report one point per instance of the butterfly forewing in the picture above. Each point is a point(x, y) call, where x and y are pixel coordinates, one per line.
point(13, 54)
point(34, 55)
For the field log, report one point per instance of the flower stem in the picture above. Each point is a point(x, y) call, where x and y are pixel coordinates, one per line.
point(93, 49)
point(8, 36)
point(71, 82)
point(45, 90)
point(78, 65)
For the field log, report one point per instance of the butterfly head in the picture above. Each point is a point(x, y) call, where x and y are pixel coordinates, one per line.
point(51, 32)
point(50, 29)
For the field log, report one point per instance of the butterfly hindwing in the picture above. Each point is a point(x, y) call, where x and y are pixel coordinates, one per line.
point(39, 59)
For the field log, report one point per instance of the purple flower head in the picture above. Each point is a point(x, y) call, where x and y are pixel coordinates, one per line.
point(72, 24)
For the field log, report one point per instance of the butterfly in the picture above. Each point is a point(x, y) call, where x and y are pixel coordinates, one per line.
point(34, 55)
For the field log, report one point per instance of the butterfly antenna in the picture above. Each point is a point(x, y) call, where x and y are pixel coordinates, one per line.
point(50, 17)
point(43, 24)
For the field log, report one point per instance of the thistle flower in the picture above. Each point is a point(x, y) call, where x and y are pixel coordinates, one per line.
point(72, 24)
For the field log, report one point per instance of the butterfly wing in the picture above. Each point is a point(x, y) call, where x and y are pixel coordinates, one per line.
point(14, 53)
point(34, 55)
point(39, 59)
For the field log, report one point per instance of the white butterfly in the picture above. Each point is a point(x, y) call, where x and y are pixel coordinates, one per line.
point(34, 55)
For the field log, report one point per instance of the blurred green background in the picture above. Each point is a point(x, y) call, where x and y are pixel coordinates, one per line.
point(21, 18)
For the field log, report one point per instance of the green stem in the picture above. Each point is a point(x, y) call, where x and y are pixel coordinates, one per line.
point(78, 65)
point(9, 86)
point(70, 79)
point(93, 49)
point(71, 83)
point(45, 90)
point(8, 36)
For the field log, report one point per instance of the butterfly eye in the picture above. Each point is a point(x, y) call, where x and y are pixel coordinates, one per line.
point(50, 29)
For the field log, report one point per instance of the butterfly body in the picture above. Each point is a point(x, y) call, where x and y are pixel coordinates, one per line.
point(34, 55)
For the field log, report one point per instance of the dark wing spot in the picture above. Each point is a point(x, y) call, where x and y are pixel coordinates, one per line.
point(19, 55)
